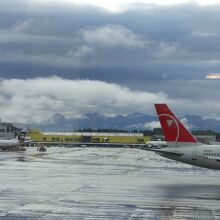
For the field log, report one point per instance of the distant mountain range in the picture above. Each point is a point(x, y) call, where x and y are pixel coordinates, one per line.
point(130, 122)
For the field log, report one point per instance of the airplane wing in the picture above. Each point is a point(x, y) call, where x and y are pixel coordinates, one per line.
point(166, 153)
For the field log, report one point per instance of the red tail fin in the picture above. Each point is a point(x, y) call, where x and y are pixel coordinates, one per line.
point(173, 129)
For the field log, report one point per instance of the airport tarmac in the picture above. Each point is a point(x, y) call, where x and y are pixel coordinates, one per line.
point(95, 183)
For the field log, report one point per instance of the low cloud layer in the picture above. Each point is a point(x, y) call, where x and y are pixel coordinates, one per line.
point(37, 100)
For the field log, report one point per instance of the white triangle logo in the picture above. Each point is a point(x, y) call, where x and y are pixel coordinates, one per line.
point(169, 122)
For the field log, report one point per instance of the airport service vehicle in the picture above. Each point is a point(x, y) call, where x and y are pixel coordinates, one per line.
point(182, 146)
point(20, 139)
point(156, 144)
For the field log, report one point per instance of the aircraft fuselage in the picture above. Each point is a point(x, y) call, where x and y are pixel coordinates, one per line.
point(8, 143)
point(207, 156)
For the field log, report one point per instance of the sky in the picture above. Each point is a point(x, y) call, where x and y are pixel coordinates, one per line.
point(111, 57)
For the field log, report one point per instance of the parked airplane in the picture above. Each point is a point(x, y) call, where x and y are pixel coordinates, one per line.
point(19, 140)
point(182, 145)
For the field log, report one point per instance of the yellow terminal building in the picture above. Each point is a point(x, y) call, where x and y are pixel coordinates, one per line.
point(87, 137)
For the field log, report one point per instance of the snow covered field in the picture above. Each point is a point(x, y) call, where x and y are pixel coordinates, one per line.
point(101, 183)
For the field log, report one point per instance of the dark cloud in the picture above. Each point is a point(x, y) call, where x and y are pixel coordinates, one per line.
point(149, 42)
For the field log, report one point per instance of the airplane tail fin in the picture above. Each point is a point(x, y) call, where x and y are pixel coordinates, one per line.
point(21, 136)
point(173, 129)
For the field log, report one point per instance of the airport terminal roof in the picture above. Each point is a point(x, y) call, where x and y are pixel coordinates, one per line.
point(93, 134)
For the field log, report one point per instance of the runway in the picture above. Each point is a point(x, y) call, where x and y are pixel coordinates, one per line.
point(96, 183)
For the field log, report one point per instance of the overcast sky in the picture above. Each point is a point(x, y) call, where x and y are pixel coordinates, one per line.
point(111, 57)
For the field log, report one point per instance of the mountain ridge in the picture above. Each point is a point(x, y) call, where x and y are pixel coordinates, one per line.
point(135, 121)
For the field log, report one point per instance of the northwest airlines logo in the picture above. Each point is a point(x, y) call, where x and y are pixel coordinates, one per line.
point(173, 129)
point(169, 122)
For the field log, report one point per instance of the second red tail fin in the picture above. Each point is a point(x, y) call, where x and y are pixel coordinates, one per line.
point(173, 129)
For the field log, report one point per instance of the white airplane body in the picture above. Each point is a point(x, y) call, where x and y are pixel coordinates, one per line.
point(9, 143)
point(20, 139)
point(182, 146)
